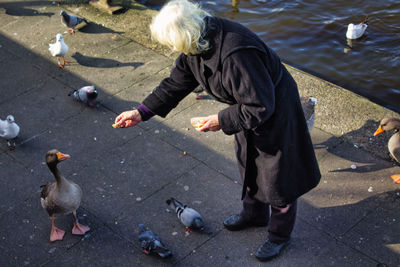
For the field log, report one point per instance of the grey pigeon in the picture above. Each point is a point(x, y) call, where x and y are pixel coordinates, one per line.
point(71, 21)
point(188, 216)
point(86, 94)
point(9, 130)
point(308, 104)
point(151, 242)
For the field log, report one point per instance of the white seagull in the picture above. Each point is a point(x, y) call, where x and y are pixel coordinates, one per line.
point(355, 31)
point(59, 49)
point(9, 130)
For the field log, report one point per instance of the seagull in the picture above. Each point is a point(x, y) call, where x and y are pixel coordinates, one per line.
point(70, 21)
point(188, 216)
point(86, 94)
point(151, 242)
point(355, 31)
point(59, 49)
point(9, 130)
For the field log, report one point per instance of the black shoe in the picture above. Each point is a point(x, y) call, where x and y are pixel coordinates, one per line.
point(268, 250)
point(237, 222)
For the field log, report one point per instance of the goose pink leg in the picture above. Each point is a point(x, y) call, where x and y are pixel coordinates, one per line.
point(79, 229)
point(55, 234)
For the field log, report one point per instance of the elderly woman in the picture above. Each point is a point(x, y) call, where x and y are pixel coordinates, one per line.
point(273, 147)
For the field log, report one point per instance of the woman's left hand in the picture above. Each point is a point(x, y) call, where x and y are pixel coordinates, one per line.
point(211, 123)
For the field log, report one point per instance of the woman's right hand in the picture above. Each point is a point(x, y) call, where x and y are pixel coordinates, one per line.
point(128, 118)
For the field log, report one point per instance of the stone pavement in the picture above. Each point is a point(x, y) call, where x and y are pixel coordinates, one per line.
point(351, 219)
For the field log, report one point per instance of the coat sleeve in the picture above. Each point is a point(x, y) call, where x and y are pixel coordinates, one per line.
point(173, 89)
point(246, 76)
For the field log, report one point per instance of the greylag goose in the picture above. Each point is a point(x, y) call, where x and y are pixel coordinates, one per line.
point(308, 104)
point(389, 124)
point(61, 197)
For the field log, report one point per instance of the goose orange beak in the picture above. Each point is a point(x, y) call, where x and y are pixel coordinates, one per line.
point(62, 156)
point(396, 178)
point(378, 131)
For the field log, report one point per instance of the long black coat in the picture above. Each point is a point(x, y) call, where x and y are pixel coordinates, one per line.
point(273, 147)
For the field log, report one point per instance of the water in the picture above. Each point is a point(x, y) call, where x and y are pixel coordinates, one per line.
point(311, 35)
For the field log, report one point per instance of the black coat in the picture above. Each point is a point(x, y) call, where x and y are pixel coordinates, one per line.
point(274, 151)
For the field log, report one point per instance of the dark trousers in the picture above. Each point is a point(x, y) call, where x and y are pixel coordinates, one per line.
point(280, 219)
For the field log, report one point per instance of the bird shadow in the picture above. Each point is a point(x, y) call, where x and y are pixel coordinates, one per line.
point(363, 139)
point(102, 62)
point(16, 9)
point(94, 28)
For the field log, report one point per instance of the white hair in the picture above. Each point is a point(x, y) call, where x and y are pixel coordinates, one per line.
point(180, 25)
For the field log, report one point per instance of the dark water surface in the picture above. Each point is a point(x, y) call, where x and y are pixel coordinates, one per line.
point(311, 35)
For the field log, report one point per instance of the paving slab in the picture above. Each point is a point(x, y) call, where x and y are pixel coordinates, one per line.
point(342, 190)
point(194, 189)
point(20, 187)
point(50, 106)
point(25, 234)
point(370, 235)
point(95, 135)
point(100, 248)
point(126, 69)
point(200, 145)
point(308, 248)
point(132, 172)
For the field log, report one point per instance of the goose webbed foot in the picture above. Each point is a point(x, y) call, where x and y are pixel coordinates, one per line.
point(78, 228)
point(55, 234)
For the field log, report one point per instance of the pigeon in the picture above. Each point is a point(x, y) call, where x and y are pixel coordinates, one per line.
point(9, 130)
point(308, 105)
point(71, 21)
point(151, 242)
point(355, 31)
point(86, 94)
point(188, 216)
point(59, 49)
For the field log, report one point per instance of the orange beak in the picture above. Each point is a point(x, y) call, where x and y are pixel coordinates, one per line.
point(378, 131)
point(62, 156)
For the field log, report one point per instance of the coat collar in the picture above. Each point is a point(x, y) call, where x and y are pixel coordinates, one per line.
point(213, 33)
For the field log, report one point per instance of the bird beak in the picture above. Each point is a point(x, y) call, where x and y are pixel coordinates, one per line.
point(378, 131)
point(61, 156)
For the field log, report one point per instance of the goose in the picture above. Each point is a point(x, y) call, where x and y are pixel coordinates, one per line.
point(355, 31)
point(308, 105)
point(9, 130)
point(389, 124)
point(61, 197)
point(59, 49)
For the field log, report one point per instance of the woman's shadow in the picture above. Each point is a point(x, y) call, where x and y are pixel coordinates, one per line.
point(95, 62)
point(362, 139)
